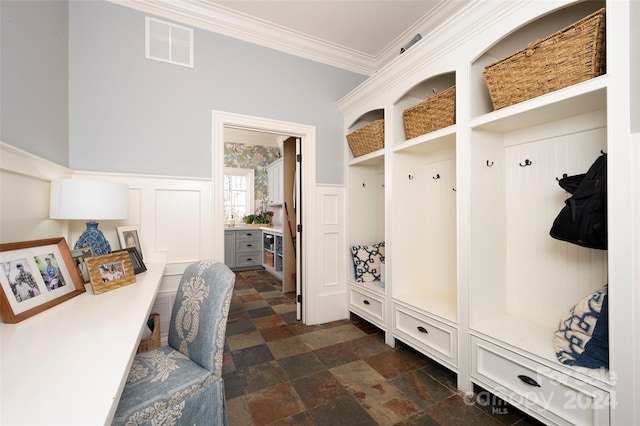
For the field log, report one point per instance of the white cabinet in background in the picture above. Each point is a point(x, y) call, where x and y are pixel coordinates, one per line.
point(473, 279)
point(275, 182)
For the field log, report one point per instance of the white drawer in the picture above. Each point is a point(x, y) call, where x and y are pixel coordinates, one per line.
point(427, 334)
point(369, 306)
point(525, 383)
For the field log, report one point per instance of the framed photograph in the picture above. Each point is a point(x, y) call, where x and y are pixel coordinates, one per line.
point(34, 276)
point(129, 236)
point(80, 257)
point(136, 260)
point(110, 271)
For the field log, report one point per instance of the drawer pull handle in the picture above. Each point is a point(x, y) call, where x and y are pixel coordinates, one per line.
point(366, 302)
point(249, 259)
point(421, 329)
point(528, 380)
point(249, 245)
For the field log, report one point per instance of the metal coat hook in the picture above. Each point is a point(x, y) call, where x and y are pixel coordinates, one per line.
point(364, 185)
point(527, 162)
point(410, 177)
point(489, 164)
point(564, 175)
point(454, 190)
point(437, 176)
point(602, 152)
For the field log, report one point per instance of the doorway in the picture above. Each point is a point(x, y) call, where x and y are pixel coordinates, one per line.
point(304, 183)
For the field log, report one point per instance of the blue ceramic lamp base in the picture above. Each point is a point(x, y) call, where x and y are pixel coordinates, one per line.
point(94, 238)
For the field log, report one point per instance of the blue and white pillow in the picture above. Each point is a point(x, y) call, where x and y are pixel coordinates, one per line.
point(367, 262)
point(582, 339)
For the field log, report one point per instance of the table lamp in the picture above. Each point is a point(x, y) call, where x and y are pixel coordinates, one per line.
point(89, 200)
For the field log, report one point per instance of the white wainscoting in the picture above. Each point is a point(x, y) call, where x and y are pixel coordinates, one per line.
point(175, 219)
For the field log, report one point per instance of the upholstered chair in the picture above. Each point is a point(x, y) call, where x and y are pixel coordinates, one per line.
point(181, 384)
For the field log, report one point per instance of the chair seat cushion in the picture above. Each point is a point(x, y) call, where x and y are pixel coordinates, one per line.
point(164, 386)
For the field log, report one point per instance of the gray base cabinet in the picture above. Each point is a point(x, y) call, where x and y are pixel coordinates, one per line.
point(242, 248)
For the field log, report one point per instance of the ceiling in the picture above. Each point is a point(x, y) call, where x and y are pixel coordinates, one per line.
point(357, 35)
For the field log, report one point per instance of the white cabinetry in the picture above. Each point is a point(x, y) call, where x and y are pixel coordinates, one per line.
point(473, 279)
point(274, 182)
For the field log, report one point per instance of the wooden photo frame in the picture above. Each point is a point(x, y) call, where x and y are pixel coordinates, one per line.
point(80, 257)
point(110, 271)
point(34, 276)
point(136, 260)
point(129, 236)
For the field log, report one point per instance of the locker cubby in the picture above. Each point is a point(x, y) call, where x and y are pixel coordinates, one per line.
point(424, 273)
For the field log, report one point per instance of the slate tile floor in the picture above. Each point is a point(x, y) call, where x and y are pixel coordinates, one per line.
point(278, 371)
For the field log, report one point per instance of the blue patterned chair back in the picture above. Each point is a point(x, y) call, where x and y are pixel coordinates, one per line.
point(199, 316)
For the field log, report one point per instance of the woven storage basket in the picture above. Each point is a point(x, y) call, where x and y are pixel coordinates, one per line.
point(367, 139)
point(569, 56)
point(152, 342)
point(435, 113)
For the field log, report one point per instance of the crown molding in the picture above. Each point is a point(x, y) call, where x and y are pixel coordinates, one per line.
point(224, 21)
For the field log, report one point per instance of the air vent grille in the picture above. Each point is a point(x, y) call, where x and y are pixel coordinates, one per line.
point(168, 42)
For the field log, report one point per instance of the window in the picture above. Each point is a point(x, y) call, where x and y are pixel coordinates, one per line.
point(238, 192)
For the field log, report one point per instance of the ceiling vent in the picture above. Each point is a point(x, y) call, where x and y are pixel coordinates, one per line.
point(168, 42)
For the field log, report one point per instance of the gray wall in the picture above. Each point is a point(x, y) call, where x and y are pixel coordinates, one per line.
point(33, 78)
point(131, 114)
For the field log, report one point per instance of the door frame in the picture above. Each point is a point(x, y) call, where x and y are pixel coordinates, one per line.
point(307, 134)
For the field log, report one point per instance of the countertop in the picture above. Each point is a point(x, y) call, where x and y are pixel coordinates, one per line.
point(242, 227)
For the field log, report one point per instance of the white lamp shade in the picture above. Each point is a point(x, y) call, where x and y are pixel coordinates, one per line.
point(87, 199)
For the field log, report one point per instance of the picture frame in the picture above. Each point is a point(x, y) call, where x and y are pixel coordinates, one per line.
point(129, 236)
point(35, 276)
point(136, 260)
point(80, 257)
point(110, 271)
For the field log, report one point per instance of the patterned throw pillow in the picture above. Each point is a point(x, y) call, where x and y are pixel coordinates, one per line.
point(366, 262)
point(582, 339)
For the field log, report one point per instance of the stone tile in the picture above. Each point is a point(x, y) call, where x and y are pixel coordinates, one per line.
point(318, 388)
point(260, 376)
point(280, 300)
point(289, 317)
point(301, 328)
point(237, 315)
point(240, 326)
point(385, 403)
point(453, 411)
point(335, 355)
point(233, 385)
point(443, 375)
point(251, 296)
point(238, 412)
point(421, 388)
point(268, 322)
point(255, 304)
point(287, 347)
point(366, 346)
point(245, 340)
point(274, 403)
point(341, 411)
point(391, 365)
point(266, 311)
point(276, 333)
point(357, 375)
point(300, 419)
point(284, 308)
point(274, 294)
point(244, 358)
point(301, 365)
point(326, 337)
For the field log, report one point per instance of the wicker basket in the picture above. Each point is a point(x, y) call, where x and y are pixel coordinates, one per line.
point(152, 342)
point(569, 56)
point(367, 139)
point(268, 258)
point(435, 113)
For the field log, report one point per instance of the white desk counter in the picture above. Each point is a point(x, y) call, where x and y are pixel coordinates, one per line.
point(68, 365)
